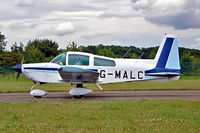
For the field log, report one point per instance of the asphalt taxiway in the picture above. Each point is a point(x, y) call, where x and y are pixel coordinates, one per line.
point(54, 97)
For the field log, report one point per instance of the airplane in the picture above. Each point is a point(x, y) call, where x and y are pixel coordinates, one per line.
point(80, 68)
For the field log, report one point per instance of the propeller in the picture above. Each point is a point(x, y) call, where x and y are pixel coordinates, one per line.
point(18, 69)
point(18, 74)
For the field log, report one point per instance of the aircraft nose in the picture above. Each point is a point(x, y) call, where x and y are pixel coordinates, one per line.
point(17, 68)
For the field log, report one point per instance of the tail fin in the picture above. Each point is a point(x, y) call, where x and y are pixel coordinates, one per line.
point(168, 54)
point(167, 62)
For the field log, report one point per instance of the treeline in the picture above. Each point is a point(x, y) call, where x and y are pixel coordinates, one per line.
point(43, 50)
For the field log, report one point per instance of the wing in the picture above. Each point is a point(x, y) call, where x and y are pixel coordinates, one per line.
point(78, 75)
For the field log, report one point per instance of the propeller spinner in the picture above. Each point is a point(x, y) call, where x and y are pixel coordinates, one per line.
point(18, 69)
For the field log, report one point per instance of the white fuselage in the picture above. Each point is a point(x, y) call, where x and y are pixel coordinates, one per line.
point(80, 68)
point(125, 70)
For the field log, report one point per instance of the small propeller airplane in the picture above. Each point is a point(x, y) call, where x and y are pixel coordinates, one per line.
point(80, 68)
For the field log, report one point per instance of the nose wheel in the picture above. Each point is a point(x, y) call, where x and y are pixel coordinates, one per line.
point(37, 93)
point(78, 97)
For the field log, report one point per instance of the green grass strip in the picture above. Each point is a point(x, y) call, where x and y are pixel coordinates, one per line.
point(107, 116)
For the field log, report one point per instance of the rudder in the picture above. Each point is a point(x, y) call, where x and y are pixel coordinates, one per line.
point(166, 62)
point(168, 54)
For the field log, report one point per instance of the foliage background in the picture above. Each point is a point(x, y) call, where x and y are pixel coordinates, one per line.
point(44, 50)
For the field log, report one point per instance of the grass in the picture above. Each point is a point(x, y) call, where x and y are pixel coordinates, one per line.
point(104, 116)
point(107, 116)
point(9, 84)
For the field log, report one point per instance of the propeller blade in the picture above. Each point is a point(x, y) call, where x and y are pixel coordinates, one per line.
point(18, 68)
point(18, 74)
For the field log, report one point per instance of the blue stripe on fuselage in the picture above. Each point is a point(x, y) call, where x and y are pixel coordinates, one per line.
point(45, 71)
point(95, 70)
point(41, 68)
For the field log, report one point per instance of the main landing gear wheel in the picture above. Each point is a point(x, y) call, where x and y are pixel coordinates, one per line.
point(79, 91)
point(78, 96)
point(37, 96)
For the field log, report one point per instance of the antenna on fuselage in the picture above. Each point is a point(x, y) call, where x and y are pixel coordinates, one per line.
point(141, 55)
point(126, 53)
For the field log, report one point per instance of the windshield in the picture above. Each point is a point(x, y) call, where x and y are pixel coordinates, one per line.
point(60, 59)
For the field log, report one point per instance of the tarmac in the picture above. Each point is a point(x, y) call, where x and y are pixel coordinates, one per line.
point(57, 97)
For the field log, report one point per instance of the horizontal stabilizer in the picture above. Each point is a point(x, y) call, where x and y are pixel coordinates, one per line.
point(167, 62)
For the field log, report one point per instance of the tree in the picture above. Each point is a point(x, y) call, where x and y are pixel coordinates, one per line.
point(34, 55)
point(89, 49)
point(72, 47)
point(47, 47)
point(134, 56)
point(16, 48)
point(106, 52)
point(153, 52)
point(186, 63)
point(2, 42)
point(186, 58)
point(10, 58)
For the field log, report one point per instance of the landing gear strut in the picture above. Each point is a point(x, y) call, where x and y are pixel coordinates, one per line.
point(34, 86)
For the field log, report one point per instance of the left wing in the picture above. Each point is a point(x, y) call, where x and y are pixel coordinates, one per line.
point(78, 75)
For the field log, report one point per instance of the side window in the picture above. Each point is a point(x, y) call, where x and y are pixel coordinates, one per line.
point(103, 62)
point(60, 59)
point(76, 59)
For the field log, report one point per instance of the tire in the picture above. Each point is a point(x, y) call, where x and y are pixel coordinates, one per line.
point(78, 96)
point(37, 96)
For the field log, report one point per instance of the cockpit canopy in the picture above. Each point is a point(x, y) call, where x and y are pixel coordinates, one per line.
point(77, 58)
